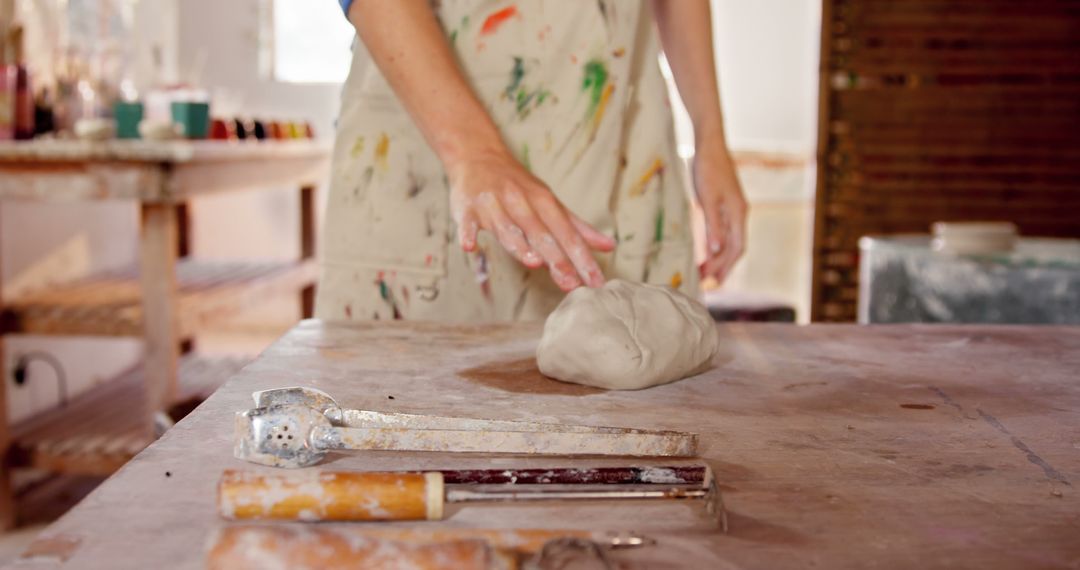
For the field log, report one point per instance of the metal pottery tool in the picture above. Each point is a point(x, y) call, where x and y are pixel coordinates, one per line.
point(295, 427)
point(250, 546)
point(381, 496)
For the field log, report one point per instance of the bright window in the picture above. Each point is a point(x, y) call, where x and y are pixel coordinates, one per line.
point(312, 41)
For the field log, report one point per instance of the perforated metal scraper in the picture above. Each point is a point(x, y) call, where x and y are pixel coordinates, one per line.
point(295, 427)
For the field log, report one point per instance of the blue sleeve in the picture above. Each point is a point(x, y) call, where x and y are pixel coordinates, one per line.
point(345, 6)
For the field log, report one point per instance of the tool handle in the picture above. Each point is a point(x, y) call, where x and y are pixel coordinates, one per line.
point(326, 496)
point(635, 444)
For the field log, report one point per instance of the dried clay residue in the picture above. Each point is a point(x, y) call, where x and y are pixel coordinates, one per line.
point(523, 377)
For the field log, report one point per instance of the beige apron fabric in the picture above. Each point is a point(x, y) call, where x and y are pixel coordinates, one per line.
point(576, 90)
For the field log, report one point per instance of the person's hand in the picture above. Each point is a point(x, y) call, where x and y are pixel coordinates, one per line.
point(493, 192)
point(721, 198)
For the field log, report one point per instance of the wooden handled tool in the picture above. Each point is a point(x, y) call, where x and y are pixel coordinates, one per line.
point(368, 496)
point(326, 496)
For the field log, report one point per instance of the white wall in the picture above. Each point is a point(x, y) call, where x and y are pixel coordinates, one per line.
point(767, 53)
point(256, 225)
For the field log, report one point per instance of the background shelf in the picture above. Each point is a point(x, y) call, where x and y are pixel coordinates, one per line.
point(101, 429)
point(109, 304)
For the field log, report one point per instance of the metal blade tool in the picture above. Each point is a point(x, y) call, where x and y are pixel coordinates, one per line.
point(295, 427)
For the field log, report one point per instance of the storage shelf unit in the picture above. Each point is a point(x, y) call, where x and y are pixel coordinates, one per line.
point(166, 300)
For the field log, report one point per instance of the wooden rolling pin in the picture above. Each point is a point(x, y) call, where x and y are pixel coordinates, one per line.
point(373, 496)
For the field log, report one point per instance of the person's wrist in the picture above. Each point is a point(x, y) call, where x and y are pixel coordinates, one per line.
point(470, 145)
point(712, 144)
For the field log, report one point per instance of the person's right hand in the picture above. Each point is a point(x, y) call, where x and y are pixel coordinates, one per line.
point(493, 192)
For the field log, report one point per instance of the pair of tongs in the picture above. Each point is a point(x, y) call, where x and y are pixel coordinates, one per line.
point(295, 427)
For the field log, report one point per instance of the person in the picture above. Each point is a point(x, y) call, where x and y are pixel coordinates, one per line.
point(535, 134)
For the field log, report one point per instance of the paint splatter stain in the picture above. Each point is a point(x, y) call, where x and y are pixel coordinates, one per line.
point(594, 83)
point(496, 19)
point(619, 52)
point(428, 260)
point(596, 87)
point(917, 406)
point(415, 186)
point(525, 98)
point(461, 28)
point(676, 280)
point(525, 161)
point(658, 236)
point(348, 311)
point(602, 107)
point(604, 12)
point(387, 295)
point(365, 182)
point(429, 222)
point(357, 147)
point(655, 170)
point(428, 293)
point(382, 151)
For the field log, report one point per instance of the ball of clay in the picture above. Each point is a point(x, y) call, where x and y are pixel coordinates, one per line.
point(626, 336)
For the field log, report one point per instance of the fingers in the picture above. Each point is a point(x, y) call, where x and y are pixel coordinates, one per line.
point(510, 236)
point(468, 227)
point(726, 241)
point(562, 270)
point(592, 236)
point(566, 235)
point(715, 229)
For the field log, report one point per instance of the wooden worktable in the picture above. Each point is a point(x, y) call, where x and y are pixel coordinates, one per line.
point(837, 445)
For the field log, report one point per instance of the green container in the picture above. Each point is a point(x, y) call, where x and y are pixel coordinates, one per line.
point(194, 118)
point(128, 116)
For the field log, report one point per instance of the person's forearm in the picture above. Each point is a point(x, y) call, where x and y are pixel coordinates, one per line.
point(686, 34)
point(407, 43)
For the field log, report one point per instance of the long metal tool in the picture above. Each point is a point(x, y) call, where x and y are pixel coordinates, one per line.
point(295, 427)
point(370, 496)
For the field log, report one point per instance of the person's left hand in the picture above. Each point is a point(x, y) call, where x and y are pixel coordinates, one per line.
point(721, 198)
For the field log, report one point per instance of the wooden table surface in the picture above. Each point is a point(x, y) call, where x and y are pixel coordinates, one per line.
point(836, 445)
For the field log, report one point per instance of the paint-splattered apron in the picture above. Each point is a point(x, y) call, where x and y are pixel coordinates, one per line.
point(576, 89)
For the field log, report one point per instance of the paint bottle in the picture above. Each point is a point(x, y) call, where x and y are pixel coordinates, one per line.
point(24, 97)
point(8, 74)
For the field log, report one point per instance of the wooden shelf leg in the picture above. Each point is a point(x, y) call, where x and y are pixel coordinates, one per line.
point(7, 485)
point(307, 245)
point(157, 273)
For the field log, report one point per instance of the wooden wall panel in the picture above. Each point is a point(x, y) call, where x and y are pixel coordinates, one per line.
point(942, 110)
